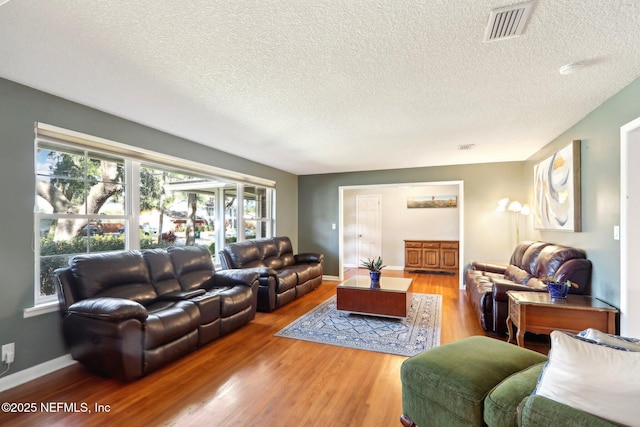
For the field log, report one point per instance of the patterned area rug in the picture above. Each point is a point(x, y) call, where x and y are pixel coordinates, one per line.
point(324, 324)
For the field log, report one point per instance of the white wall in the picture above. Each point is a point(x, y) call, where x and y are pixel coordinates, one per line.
point(400, 223)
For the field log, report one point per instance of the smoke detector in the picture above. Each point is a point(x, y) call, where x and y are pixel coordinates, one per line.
point(507, 22)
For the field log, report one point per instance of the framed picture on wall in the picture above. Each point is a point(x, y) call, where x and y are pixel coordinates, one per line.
point(556, 188)
point(423, 202)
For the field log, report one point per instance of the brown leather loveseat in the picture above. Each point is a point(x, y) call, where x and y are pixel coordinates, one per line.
point(487, 283)
point(283, 275)
point(128, 313)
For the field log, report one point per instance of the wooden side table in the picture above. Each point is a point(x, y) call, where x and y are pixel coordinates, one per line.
point(537, 312)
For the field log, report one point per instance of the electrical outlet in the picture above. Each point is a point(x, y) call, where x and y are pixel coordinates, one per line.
point(8, 353)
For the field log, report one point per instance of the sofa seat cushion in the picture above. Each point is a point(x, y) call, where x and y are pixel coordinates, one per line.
point(447, 385)
point(303, 272)
point(500, 406)
point(287, 279)
point(314, 269)
point(168, 321)
point(209, 306)
point(234, 300)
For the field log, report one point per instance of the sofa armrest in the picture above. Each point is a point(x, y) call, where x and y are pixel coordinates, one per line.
point(308, 258)
point(501, 286)
point(236, 277)
point(491, 267)
point(540, 411)
point(109, 309)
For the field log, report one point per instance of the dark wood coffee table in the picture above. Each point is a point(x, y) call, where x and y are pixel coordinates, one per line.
point(391, 299)
point(537, 312)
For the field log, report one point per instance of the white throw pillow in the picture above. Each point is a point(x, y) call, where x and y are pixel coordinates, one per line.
point(631, 344)
point(597, 379)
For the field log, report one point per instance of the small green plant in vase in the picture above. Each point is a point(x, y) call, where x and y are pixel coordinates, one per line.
point(374, 266)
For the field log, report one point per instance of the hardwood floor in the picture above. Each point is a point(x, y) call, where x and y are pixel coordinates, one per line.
point(251, 378)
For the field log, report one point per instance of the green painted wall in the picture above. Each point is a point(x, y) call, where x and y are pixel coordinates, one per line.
point(38, 339)
point(599, 132)
point(489, 235)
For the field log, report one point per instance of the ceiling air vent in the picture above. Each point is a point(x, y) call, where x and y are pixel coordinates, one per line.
point(507, 22)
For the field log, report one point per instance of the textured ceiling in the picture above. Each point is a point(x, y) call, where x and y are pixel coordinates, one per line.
point(319, 86)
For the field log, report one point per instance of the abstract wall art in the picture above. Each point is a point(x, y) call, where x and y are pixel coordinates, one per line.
point(556, 187)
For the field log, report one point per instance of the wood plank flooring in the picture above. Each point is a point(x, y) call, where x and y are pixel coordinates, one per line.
point(251, 378)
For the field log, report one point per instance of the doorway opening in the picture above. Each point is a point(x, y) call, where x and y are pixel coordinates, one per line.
point(398, 225)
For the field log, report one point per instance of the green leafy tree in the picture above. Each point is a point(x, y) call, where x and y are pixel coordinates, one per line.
point(151, 191)
point(65, 191)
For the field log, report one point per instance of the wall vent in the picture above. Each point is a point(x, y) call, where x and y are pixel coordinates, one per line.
point(465, 146)
point(507, 22)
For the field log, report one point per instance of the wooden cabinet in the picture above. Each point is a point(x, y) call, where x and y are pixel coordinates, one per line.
point(449, 255)
point(431, 255)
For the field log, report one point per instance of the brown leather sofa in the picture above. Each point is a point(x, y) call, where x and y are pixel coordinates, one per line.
point(283, 275)
point(487, 283)
point(128, 313)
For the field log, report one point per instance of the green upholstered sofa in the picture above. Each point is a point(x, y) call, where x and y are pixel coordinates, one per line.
point(481, 381)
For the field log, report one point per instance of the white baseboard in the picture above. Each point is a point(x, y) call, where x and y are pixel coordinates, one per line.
point(36, 371)
point(331, 278)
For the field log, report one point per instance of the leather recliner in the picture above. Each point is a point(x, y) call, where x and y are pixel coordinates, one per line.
point(283, 275)
point(487, 283)
point(128, 313)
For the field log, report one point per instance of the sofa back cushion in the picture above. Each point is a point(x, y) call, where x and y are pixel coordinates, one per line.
point(518, 253)
point(122, 274)
point(553, 256)
point(530, 257)
point(161, 271)
point(243, 255)
point(193, 266)
point(285, 250)
point(269, 254)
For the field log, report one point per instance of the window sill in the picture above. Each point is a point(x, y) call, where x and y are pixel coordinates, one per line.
point(48, 307)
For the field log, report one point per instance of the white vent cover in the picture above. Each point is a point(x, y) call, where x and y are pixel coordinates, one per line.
point(507, 22)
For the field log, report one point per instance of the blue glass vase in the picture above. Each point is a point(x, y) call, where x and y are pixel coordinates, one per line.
point(558, 290)
point(375, 277)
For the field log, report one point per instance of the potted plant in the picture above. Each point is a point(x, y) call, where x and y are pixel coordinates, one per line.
point(558, 289)
point(374, 266)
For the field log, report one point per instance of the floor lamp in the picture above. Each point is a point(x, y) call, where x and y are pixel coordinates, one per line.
point(517, 208)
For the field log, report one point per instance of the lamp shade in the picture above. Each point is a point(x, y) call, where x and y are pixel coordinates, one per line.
point(515, 206)
point(502, 204)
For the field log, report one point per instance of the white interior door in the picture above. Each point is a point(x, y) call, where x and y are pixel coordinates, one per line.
point(368, 226)
point(630, 229)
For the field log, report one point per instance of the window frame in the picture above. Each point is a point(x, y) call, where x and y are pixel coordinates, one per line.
point(134, 159)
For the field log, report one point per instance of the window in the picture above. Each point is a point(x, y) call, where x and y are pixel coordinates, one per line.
point(94, 195)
